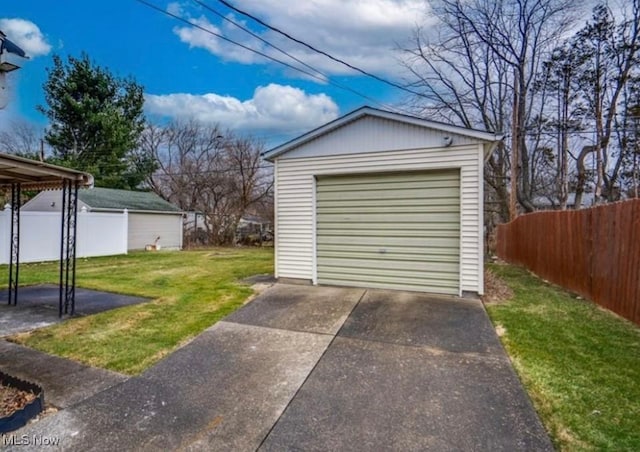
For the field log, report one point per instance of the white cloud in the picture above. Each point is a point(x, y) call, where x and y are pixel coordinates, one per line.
point(26, 35)
point(365, 33)
point(273, 108)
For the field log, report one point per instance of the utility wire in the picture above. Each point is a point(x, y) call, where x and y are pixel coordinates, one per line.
point(284, 52)
point(321, 52)
point(224, 38)
point(323, 78)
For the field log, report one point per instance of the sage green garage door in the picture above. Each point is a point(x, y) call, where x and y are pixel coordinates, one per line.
point(392, 231)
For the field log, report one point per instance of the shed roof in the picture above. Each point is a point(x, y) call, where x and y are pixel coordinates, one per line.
point(110, 198)
point(35, 175)
point(488, 137)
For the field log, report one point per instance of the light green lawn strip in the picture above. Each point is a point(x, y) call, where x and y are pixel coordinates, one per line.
point(580, 363)
point(190, 291)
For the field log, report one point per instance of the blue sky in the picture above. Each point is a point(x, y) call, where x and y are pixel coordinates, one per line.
point(188, 73)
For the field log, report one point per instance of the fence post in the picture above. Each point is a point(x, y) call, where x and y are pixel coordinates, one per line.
point(82, 233)
point(5, 217)
point(125, 230)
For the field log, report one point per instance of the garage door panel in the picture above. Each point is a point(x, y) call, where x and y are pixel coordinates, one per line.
point(386, 194)
point(380, 243)
point(388, 264)
point(386, 228)
point(416, 202)
point(397, 219)
point(377, 186)
point(380, 234)
point(366, 273)
point(381, 178)
point(373, 250)
point(390, 208)
point(398, 231)
point(390, 256)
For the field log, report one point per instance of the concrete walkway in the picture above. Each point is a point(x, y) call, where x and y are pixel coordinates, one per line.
point(308, 368)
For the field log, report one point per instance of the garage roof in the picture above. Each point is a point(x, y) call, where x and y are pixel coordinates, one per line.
point(489, 137)
point(34, 175)
point(112, 199)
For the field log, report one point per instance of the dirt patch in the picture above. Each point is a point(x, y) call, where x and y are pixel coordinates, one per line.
point(495, 289)
point(13, 399)
point(258, 288)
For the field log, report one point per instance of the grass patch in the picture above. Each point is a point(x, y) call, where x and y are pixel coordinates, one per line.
point(579, 363)
point(190, 291)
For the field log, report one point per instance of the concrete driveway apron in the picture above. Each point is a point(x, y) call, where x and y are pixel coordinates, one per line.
point(410, 371)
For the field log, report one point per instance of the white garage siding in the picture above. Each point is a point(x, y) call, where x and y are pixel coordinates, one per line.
point(295, 207)
point(144, 228)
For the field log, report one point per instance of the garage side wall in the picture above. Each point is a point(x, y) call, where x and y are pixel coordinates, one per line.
point(295, 206)
point(144, 228)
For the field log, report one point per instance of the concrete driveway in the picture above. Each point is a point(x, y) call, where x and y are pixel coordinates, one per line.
point(319, 368)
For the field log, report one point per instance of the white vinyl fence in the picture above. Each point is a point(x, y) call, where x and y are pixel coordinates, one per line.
point(99, 234)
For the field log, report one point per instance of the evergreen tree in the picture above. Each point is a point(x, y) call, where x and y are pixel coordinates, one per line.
point(96, 120)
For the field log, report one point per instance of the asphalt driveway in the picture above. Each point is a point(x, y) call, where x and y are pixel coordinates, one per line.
point(38, 306)
point(319, 368)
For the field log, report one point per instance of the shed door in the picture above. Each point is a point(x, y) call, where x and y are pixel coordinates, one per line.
point(391, 231)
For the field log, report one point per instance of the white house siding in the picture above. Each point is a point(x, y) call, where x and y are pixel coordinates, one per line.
point(296, 171)
point(144, 228)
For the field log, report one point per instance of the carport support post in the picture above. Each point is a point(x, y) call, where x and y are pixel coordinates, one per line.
point(67, 302)
point(14, 249)
point(63, 210)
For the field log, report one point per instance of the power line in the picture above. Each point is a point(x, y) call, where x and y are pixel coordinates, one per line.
point(321, 52)
point(323, 79)
point(224, 38)
point(284, 52)
point(214, 171)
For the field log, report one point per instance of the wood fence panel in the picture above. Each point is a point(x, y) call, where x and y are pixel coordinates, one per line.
point(634, 266)
point(593, 252)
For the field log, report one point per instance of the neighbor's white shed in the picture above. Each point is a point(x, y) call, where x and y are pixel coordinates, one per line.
point(148, 215)
point(383, 200)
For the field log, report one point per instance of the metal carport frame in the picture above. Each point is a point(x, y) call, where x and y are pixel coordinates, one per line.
point(17, 174)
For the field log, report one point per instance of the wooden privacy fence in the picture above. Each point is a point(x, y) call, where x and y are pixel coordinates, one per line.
point(594, 252)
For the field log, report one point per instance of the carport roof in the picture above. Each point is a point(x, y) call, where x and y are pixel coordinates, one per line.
point(487, 137)
point(34, 175)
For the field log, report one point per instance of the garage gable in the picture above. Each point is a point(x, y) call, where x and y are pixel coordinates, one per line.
point(376, 134)
point(372, 130)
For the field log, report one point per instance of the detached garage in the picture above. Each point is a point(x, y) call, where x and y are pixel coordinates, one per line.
point(382, 200)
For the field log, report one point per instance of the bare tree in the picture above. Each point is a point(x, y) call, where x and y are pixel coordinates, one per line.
point(479, 71)
point(23, 138)
point(202, 169)
point(609, 54)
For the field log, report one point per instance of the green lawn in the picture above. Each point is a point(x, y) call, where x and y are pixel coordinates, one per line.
point(190, 291)
point(579, 363)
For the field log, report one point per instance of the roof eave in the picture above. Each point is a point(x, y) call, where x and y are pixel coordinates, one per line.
point(113, 209)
